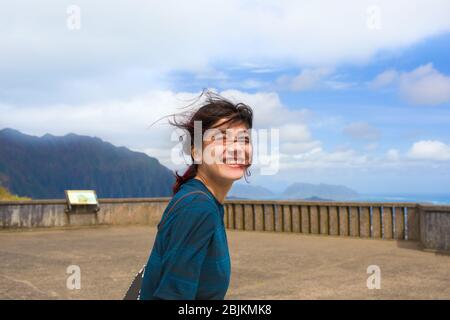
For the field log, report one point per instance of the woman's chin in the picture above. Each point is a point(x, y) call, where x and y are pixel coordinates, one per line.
point(233, 172)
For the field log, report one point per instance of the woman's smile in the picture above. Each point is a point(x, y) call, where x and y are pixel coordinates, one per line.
point(236, 166)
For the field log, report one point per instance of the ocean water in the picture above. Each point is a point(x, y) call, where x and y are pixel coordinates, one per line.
point(443, 199)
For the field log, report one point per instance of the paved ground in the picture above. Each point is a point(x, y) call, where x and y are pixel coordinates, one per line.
point(265, 265)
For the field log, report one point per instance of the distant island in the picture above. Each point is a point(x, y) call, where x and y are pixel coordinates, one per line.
point(300, 191)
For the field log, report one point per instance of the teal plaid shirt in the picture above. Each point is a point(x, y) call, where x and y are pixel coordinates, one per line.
point(190, 258)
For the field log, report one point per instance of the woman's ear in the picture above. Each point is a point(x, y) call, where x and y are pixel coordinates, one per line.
point(196, 155)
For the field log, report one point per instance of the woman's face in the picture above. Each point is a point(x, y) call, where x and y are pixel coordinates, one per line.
point(226, 151)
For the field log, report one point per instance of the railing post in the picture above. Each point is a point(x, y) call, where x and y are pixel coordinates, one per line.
point(435, 227)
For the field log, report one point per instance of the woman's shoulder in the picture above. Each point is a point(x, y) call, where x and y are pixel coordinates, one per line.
point(188, 212)
point(194, 202)
point(186, 196)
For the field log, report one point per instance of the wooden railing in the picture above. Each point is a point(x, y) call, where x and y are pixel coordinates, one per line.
point(354, 219)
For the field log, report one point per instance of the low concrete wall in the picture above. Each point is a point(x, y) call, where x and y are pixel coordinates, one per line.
point(435, 227)
point(51, 213)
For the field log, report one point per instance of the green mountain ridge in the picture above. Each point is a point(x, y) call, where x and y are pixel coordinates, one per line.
point(43, 167)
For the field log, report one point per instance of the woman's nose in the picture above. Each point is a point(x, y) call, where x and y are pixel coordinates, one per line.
point(237, 152)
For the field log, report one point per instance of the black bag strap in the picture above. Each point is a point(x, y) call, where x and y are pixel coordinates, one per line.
point(134, 290)
point(167, 214)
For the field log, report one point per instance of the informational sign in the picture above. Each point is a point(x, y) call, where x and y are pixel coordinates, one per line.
point(81, 197)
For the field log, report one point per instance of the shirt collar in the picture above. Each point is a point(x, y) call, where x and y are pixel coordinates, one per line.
point(204, 188)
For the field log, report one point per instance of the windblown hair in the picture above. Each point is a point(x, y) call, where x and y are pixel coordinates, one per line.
point(212, 110)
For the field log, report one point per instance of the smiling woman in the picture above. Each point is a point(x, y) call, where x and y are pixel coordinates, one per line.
point(190, 258)
point(218, 123)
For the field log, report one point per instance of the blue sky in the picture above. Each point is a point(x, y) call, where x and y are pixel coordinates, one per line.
point(360, 91)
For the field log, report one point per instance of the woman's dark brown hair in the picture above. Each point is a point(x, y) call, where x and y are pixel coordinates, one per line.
point(212, 110)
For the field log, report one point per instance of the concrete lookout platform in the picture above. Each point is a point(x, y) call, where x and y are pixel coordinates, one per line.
point(279, 249)
point(265, 265)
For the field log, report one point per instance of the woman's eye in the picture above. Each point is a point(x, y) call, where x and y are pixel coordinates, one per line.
point(216, 137)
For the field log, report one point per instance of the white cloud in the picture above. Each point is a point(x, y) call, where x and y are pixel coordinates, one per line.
point(393, 155)
point(384, 79)
point(294, 132)
point(313, 78)
point(362, 130)
point(371, 146)
point(162, 37)
point(430, 150)
point(423, 85)
point(307, 79)
point(339, 85)
point(298, 148)
point(269, 111)
point(319, 158)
